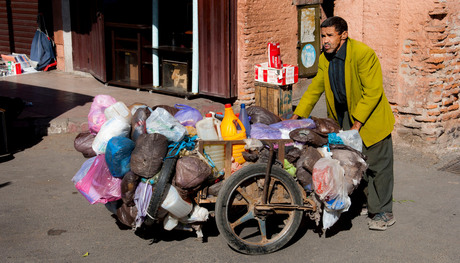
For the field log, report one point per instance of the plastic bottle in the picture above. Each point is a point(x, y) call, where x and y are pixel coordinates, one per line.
point(230, 132)
point(244, 118)
point(209, 129)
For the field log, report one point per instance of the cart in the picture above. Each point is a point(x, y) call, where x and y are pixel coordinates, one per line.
point(259, 207)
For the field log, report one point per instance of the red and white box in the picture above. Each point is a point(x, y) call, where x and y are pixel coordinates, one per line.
point(288, 74)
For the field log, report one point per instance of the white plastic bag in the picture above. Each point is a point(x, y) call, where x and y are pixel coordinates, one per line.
point(111, 128)
point(351, 138)
point(327, 178)
point(162, 122)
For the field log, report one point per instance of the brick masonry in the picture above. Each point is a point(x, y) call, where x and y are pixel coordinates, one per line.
point(417, 43)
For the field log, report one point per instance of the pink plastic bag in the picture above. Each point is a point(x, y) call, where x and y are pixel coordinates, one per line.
point(96, 115)
point(98, 185)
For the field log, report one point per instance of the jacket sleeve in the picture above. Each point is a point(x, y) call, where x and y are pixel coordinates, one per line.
point(312, 94)
point(370, 75)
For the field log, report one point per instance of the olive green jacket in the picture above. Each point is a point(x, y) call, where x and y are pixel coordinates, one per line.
point(366, 99)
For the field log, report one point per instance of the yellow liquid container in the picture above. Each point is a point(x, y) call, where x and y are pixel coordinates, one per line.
point(230, 132)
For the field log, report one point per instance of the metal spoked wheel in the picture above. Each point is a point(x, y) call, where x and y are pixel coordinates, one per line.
point(247, 225)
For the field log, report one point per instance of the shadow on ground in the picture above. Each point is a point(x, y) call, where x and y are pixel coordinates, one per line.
point(27, 112)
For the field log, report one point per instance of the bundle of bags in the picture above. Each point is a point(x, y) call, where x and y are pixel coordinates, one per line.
point(126, 147)
point(323, 159)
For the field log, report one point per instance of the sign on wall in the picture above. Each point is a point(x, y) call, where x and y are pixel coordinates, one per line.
point(309, 40)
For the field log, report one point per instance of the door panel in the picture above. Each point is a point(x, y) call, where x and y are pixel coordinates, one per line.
point(216, 66)
point(88, 41)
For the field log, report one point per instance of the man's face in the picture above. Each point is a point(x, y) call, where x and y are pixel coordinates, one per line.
point(331, 40)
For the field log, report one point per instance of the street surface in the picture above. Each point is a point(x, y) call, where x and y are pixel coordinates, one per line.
point(44, 219)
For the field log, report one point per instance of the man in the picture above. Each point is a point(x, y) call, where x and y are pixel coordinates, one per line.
point(349, 73)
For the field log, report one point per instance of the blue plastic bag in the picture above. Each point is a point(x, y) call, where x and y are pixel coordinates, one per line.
point(118, 155)
point(187, 116)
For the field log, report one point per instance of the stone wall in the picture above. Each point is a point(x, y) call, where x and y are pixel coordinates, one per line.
point(260, 22)
point(417, 43)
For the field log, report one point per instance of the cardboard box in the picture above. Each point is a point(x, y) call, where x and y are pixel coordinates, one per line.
point(288, 74)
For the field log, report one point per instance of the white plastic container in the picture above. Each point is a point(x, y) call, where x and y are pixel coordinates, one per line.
point(118, 109)
point(170, 222)
point(175, 205)
point(209, 129)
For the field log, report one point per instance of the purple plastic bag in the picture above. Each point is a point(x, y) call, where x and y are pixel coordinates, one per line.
point(98, 185)
point(187, 116)
point(294, 124)
point(285, 127)
point(142, 200)
point(263, 131)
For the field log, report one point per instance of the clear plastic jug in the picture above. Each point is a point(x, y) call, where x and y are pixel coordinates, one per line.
point(209, 129)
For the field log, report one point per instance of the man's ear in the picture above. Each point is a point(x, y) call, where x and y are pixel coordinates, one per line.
point(344, 35)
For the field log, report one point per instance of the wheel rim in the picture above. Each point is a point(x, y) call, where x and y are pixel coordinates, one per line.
point(251, 226)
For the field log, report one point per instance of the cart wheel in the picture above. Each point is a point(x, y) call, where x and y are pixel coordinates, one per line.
point(247, 229)
point(159, 192)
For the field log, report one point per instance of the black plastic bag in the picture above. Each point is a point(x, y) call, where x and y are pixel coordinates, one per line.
point(147, 157)
point(83, 143)
point(326, 125)
point(308, 136)
point(262, 115)
point(138, 124)
point(128, 188)
point(191, 172)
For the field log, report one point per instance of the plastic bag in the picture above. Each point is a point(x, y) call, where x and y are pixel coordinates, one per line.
point(169, 109)
point(127, 215)
point(98, 185)
point(327, 178)
point(263, 131)
point(111, 128)
point(96, 116)
point(187, 115)
point(326, 125)
point(83, 143)
point(262, 115)
point(138, 122)
point(289, 125)
point(353, 165)
point(142, 200)
point(147, 156)
point(352, 138)
point(191, 172)
point(335, 207)
point(160, 121)
point(118, 155)
point(83, 170)
point(308, 136)
point(128, 188)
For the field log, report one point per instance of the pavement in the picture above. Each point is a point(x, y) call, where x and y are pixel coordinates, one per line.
point(43, 218)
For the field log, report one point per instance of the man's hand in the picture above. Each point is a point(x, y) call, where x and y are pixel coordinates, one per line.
point(356, 126)
point(294, 117)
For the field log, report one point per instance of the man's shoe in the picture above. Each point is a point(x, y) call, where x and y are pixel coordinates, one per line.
point(382, 221)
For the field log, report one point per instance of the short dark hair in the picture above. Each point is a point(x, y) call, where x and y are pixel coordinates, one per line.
point(337, 22)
